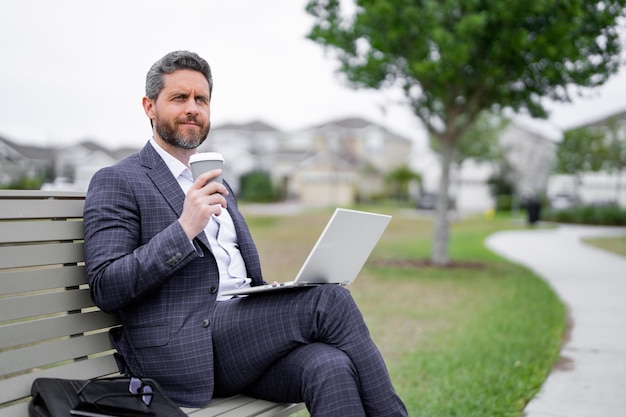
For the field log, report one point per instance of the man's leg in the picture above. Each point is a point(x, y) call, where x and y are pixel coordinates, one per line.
point(322, 376)
point(251, 334)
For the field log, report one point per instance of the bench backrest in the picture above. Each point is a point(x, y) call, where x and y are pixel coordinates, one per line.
point(49, 326)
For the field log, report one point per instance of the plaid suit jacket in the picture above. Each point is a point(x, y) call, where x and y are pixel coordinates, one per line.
point(141, 265)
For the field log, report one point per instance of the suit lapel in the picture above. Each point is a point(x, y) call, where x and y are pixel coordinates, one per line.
point(168, 186)
point(165, 183)
point(162, 178)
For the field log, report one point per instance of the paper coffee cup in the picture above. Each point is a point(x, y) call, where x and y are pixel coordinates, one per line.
point(206, 161)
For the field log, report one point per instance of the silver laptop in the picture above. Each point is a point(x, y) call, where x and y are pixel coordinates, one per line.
point(339, 254)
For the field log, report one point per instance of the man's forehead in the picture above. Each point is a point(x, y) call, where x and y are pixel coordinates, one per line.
point(185, 79)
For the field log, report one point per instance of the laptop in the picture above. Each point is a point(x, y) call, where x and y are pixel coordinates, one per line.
point(339, 254)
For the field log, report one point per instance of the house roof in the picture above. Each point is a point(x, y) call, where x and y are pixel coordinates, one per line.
point(116, 154)
point(327, 157)
point(29, 152)
point(357, 123)
point(620, 115)
point(539, 127)
point(122, 153)
point(349, 123)
point(254, 126)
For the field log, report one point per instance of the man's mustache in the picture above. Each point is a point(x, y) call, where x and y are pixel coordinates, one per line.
point(190, 119)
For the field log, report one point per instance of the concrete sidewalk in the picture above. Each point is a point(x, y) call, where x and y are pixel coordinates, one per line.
point(590, 380)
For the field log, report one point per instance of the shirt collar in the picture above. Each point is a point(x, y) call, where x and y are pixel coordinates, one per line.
point(176, 167)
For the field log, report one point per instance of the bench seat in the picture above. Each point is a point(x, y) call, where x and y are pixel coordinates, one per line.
point(49, 326)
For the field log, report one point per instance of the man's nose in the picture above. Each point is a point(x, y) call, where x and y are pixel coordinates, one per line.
point(191, 107)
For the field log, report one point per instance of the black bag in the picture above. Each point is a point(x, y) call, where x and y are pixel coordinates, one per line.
point(104, 397)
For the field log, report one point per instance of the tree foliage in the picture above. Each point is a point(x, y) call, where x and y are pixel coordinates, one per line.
point(582, 150)
point(480, 142)
point(601, 146)
point(616, 144)
point(453, 59)
point(399, 179)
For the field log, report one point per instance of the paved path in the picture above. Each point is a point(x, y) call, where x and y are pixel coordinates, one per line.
point(591, 380)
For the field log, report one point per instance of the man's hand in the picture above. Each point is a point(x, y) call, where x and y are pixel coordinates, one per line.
point(203, 200)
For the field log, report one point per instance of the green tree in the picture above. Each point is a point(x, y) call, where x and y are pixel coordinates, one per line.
point(399, 180)
point(480, 143)
point(453, 59)
point(615, 160)
point(582, 150)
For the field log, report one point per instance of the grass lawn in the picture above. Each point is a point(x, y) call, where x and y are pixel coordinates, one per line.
point(473, 340)
point(612, 244)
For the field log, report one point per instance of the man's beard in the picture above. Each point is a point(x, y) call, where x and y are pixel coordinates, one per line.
point(168, 132)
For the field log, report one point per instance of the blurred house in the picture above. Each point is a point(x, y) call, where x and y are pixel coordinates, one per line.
point(341, 162)
point(246, 147)
point(335, 163)
point(75, 165)
point(530, 148)
point(324, 179)
point(594, 187)
point(348, 161)
point(23, 162)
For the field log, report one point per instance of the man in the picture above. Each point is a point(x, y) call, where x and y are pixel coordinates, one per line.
point(160, 247)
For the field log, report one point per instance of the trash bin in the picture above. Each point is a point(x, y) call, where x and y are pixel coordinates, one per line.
point(533, 209)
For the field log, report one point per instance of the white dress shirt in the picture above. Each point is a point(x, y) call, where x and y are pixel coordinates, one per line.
point(220, 231)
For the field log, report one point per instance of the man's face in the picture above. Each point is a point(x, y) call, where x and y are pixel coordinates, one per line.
point(181, 113)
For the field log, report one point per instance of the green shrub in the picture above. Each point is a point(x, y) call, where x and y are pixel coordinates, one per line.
point(504, 202)
point(606, 215)
point(257, 187)
point(24, 183)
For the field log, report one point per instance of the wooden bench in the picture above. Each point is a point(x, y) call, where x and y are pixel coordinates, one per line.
point(49, 326)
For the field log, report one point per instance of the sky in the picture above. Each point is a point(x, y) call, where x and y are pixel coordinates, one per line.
point(73, 70)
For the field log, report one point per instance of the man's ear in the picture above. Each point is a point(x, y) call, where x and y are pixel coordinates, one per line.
point(148, 107)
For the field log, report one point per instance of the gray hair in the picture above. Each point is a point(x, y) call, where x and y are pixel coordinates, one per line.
point(171, 62)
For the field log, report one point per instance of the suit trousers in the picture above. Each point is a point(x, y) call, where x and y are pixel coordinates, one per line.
point(309, 345)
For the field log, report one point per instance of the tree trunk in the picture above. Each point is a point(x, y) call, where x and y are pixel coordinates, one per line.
point(439, 254)
point(577, 184)
point(618, 185)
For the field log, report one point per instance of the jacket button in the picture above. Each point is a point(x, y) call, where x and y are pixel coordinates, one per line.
point(205, 323)
point(213, 290)
point(179, 256)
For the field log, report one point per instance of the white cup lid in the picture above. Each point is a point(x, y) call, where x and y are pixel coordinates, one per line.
point(206, 156)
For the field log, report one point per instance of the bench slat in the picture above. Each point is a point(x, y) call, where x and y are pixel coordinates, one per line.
point(42, 209)
point(18, 410)
point(44, 254)
point(252, 407)
point(26, 195)
point(222, 405)
point(22, 333)
point(241, 406)
point(56, 276)
point(19, 386)
point(37, 231)
point(45, 354)
point(283, 410)
point(43, 304)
